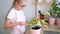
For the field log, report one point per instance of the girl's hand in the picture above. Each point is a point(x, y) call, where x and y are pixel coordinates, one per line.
point(26, 24)
point(22, 23)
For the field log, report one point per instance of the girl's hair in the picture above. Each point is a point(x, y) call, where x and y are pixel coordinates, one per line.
point(16, 1)
point(12, 6)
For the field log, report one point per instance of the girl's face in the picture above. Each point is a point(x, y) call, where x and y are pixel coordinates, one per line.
point(22, 3)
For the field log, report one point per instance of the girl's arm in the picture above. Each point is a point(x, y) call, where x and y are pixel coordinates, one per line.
point(8, 24)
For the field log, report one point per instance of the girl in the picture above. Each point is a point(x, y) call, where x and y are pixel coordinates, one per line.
point(15, 18)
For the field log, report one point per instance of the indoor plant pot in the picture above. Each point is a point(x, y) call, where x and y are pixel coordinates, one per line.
point(58, 22)
point(34, 27)
point(58, 17)
point(52, 13)
point(35, 30)
point(52, 16)
point(42, 16)
point(51, 21)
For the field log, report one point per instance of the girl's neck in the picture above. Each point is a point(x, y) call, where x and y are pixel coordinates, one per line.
point(18, 7)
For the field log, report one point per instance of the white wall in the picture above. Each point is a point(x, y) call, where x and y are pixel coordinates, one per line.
point(43, 8)
point(29, 10)
point(4, 8)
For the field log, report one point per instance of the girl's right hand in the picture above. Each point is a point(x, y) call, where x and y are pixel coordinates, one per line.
point(21, 23)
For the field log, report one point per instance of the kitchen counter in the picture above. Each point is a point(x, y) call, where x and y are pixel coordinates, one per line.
point(53, 28)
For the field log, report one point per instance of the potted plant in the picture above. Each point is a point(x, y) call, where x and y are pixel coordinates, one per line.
point(42, 16)
point(58, 17)
point(52, 13)
point(34, 27)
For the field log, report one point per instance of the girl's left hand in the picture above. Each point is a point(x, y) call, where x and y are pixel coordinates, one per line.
point(26, 24)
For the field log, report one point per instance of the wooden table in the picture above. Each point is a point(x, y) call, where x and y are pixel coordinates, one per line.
point(28, 32)
point(54, 28)
point(47, 28)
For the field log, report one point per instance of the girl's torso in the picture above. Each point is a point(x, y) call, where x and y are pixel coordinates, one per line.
point(18, 16)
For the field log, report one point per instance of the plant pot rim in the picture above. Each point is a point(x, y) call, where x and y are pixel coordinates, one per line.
point(36, 29)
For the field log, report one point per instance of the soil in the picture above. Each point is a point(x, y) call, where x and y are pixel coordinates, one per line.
point(36, 27)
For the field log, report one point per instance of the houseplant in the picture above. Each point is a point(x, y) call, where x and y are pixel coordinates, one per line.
point(41, 16)
point(58, 17)
point(34, 27)
point(52, 13)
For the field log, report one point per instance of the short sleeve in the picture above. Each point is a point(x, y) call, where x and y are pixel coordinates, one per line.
point(10, 14)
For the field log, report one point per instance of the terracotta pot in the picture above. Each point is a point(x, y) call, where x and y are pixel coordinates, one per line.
point(58, 22)
point(42, 17)
point(32, 31)
point(51, 21)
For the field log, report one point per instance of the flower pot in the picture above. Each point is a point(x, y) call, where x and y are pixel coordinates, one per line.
point(42, 17)
point(58, 22)
point(51, 21)
point(35, 31)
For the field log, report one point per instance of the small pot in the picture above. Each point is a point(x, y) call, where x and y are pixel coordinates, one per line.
point(42, 17)
point(35, 30)
point(51, 21)
point(58, 22)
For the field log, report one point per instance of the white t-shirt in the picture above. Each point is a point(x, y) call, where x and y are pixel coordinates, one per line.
point(17, 16)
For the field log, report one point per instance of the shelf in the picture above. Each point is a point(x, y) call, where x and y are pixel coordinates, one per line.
point(54, 28)
point(43, 3)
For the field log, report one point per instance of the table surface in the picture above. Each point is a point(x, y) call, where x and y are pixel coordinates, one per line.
point(54, 28)
point(28, 32)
